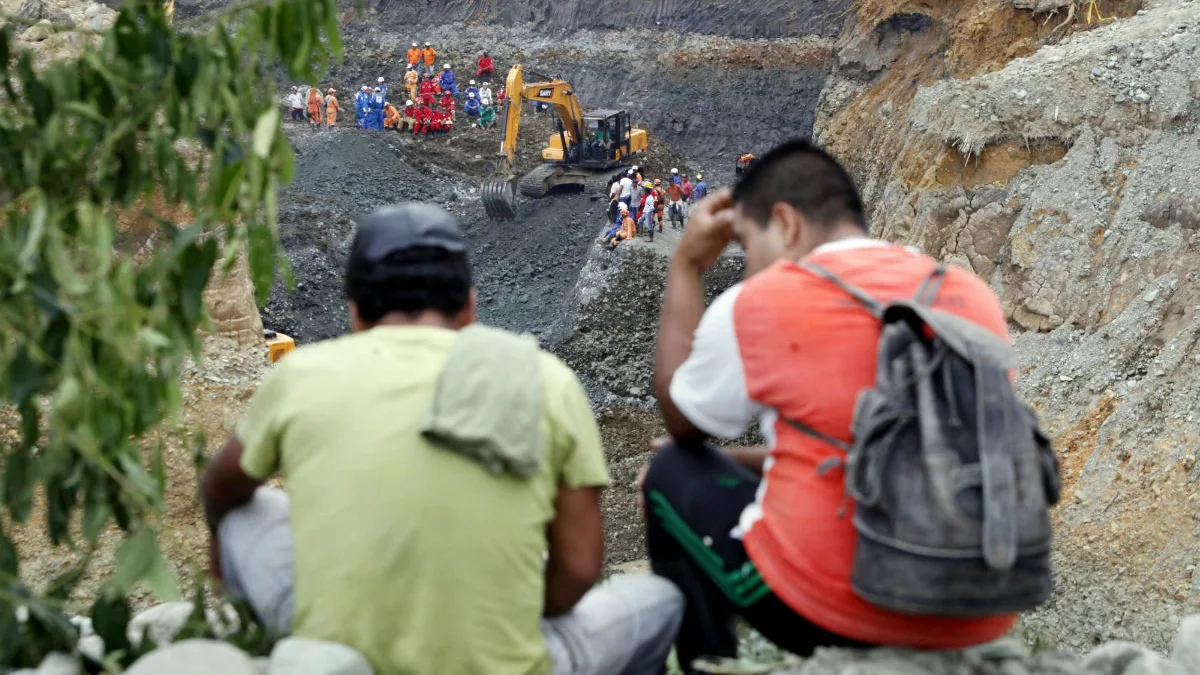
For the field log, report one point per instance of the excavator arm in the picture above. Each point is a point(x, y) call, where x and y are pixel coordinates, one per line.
point(499, 195)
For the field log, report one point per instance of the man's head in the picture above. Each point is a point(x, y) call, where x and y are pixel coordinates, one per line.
point(792, 200)
point(408, 264)
point(427, 44)
point(414, 44)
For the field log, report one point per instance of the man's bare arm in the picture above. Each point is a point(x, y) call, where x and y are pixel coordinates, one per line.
point(709, 232)
point(576, 540)
point(225, 486)
point(751, 458)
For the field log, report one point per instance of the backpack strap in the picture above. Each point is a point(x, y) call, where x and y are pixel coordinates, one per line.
point(872, 305)
point(930, 287)
point(813, 433)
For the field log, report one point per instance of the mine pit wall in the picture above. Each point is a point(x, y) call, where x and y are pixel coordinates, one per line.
point(1065, 178)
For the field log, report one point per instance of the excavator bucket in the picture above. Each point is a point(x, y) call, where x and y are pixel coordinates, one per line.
point(500, 199)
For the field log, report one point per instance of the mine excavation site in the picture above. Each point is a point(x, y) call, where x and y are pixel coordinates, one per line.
point(1048, 146)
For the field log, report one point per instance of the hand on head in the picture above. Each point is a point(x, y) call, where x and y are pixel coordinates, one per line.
point(709, 230)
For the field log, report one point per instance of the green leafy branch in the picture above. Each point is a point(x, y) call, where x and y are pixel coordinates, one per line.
point(149, 121)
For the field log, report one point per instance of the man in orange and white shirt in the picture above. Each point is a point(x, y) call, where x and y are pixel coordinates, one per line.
point(766, 533)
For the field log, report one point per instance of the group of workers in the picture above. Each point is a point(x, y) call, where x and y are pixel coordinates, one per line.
point(430, 105)
point(654, 199)
point(317, 109)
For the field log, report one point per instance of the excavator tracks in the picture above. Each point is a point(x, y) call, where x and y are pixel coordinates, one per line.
point(533, 184)
point(597, 183)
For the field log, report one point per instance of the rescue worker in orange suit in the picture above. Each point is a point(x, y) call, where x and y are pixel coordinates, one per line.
point(429, 56)
point(331, 109)
point(315, 103)
point(486, 66)
point(414, 56)
point(628, 227)
point(411, 79)
point(427, 90)
point(391, 117)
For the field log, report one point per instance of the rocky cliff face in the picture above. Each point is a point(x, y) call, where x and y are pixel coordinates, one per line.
point(1056, 163)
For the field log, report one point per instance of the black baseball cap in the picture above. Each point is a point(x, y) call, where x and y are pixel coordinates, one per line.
point(403, 226)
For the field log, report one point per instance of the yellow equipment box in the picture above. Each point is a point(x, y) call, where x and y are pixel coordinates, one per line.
point(278, 345)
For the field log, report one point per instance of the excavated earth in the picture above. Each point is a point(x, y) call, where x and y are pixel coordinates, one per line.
point(1048, 154)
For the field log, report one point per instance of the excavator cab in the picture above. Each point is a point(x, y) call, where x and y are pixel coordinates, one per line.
point(581, 153)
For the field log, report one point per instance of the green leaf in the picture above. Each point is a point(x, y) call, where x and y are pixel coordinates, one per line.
point(26, 375)
point(63, 585)
point(110, 619)
point(196, 265)
point(19, 482)
point(96, 510)
point(8, 558)
point(265, 131)
point(37, 229)
point(10, 629)
point(139, 559)
point(137, 475)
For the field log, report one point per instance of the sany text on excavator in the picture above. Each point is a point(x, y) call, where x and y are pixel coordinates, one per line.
point(583, 152)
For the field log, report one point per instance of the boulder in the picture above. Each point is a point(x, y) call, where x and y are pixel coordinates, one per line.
point(1187, 645)
point(1128, 658)
point(300, 656)
point(195, 657)
point(39, 31)
point(161, 623)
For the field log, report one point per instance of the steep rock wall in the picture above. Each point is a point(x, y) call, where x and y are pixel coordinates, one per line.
point(1057, 166)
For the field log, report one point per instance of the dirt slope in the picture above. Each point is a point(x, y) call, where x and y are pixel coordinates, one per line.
point(1056, 164)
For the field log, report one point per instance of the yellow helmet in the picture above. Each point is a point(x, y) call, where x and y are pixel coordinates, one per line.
point(647, 184)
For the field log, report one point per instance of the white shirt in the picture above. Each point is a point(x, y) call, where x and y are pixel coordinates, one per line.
point(485, 95)
point(649, 202)
point(626, 187)
point(615, 191)
point(296, 100)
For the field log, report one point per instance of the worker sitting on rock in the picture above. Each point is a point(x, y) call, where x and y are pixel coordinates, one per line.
point(428, 89)
point(421, 411)
point(762, 533)
point(409, 121)
point(331, 109)
point(487, 117)
point(485, 67)
point(429, 57)
point(501, 96)
point(447, 82)
point(485, 94)
point(471, 106)
point(447, 103)
point(411, 80)
point(391, 117)
point(623, 230)
point(361, 106)
point(471, 89)
point(414, 56)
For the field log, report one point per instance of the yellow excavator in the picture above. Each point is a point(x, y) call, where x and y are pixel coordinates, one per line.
point(583, 152)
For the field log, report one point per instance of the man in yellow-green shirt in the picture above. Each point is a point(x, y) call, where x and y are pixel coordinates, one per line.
point(426, 554)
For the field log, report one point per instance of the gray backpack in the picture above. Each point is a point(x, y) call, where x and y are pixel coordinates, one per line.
point(952, 478)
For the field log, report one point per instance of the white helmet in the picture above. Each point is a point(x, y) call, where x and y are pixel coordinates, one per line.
point(408, 102)
point(426, 44)
point(446, 66)
point(379, 80)
point(675, 172)
point(472, 94)
point(635, 167)
point(472, 83)
point(414, 44)
point(364, 87)
point(699, 176)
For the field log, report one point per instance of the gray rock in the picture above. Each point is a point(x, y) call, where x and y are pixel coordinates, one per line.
point(1187, 644)
point(57, 663)
point(194, 657)
point(91, 646)
point(1141, 96)
point(161, 622)
point(1128, 658)
point(300, 656)
point(38, 31)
